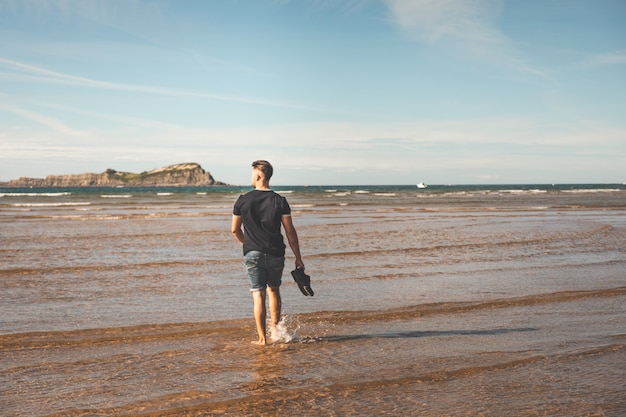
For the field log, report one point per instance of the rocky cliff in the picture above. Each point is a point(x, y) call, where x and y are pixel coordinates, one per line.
point(187, 174)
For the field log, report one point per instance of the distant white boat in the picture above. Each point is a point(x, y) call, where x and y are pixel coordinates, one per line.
point(421, 185)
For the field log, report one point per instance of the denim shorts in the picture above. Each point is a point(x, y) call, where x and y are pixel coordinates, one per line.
point(264, 270)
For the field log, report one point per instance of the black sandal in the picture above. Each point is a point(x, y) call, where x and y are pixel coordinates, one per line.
point(303, 281)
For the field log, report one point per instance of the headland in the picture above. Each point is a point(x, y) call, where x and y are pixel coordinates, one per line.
point(188, 174)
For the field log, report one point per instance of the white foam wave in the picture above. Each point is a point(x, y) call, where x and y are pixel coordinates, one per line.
point(116, 195)
point(51, 204)
point(34, 194)
point(583, 191)
point(534, 191)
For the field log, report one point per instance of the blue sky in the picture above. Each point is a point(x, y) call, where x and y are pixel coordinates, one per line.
point(330, 91)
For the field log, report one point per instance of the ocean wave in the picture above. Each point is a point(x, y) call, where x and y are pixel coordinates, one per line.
point(534, 191)
point(34, 194)
point(51, 204)
point(127, 216)
point(155, 331)
point(595, 190)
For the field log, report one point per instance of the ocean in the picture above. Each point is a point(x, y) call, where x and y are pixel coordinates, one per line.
point(453, 300)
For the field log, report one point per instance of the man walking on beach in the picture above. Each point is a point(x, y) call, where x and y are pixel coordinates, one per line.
point(262, 212)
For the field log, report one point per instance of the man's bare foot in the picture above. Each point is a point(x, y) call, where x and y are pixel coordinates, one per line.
point(274, 336)
point(259, 342)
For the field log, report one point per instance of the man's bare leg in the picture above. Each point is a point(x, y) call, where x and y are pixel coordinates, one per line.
point(275, 307)
point(259, 315)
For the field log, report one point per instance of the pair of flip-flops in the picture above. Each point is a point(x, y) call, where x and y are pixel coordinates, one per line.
point(303, 281)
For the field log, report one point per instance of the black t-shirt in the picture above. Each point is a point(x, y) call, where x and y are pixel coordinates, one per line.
point(261, 212)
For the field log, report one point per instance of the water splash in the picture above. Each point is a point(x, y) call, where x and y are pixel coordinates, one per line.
point(281, 333)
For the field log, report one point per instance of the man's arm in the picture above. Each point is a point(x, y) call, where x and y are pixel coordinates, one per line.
point(236, 228)
point(292, 238)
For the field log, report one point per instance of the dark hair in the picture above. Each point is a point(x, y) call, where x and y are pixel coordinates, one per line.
point(265, 167)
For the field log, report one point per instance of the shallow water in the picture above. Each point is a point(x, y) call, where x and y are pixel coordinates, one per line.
point(474, 302)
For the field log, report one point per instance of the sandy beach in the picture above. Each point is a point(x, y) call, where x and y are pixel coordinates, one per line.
point(492, 305)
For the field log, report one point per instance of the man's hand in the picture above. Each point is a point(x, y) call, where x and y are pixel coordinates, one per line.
point(236, 228)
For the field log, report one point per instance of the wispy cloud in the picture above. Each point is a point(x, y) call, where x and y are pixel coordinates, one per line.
point(441, 149)
point(603, 60)
point(100, 11)
point(465, 27)
point(454, 20)
point(45, 75)
point(42, 119)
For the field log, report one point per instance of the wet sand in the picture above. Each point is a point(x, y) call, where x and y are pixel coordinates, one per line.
point(457, 311)
point(550, 354)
